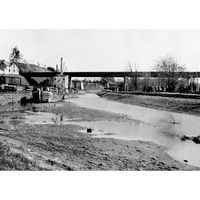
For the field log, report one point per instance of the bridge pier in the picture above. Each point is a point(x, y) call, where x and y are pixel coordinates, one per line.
point(82, 85)
point(126, 83)
point(69, 82)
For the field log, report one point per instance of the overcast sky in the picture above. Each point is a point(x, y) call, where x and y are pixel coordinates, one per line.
point(103, 50)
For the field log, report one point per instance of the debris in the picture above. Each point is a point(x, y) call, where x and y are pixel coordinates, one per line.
point(89, 130)
point(34, 109)
point(23, 101)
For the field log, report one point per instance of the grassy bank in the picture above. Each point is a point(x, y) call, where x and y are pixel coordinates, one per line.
point(174, 104)
point(11, 160)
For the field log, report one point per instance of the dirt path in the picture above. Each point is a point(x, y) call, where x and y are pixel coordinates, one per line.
point(63, 147)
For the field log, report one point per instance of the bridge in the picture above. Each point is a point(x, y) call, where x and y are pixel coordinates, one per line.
point(107, 74)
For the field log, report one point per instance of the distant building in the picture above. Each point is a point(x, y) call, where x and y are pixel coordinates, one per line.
point(6, 68)
point(9, 75)
point(61, 82)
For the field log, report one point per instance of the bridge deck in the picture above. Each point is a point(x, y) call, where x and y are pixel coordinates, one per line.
point(106, 74)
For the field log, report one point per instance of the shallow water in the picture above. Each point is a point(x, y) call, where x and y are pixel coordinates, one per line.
point(162, 127)
point(180, 123)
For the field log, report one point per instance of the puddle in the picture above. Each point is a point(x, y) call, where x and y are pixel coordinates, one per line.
point(47, 118)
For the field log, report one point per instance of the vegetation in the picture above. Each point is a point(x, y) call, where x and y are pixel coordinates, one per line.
point(15, 55)
point(170, 72)
point(51, 69)
point(133, 81)
point(107, 80)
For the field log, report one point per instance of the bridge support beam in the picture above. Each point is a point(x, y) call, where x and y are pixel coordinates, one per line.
point(69, 82)
point(126, 83)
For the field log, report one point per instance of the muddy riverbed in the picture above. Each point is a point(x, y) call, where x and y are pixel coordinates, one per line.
point(55, 138)
point(161, 127)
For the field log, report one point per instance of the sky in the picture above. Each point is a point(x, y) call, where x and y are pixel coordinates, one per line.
point(103, 50)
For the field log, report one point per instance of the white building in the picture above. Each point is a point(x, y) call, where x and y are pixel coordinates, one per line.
point(61, 82)
point(6, 68)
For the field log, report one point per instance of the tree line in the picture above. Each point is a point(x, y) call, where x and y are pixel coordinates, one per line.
point(169, 77)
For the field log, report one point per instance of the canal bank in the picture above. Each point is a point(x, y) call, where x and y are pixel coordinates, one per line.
point(167, 103)
point(58, 142)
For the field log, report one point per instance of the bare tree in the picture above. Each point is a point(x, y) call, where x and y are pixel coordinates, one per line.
point(170, 72)
point(133, 81)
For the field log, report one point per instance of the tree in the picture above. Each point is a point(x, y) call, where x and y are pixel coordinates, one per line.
point(15, 55)
point(133, 81)
point(107, 80)
point(51, 69)
point(170, 72)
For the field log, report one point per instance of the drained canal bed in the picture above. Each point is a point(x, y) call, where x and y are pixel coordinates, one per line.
point(138, 123)
point(162, 127)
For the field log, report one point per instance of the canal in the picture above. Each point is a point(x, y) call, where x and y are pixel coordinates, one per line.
point(161, 127)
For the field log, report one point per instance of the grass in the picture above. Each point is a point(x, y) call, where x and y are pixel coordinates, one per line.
point(14, 161)
point(182, 105)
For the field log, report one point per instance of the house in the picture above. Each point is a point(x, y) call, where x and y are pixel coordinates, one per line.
point(7, 68)
point(9, 75)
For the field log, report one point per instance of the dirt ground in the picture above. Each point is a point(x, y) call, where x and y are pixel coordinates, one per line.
point(63, 147)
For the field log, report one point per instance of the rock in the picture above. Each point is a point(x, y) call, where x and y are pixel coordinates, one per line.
point(184, 138)
point(196, 140)
point(161, 163)
point(34, 109)
point(89, 130)
point(100, 165)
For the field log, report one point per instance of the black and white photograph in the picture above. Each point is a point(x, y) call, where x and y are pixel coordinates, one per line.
point(106, 110)
point(100, 100)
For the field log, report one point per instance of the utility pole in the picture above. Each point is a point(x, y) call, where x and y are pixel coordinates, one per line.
point(56, 67)
point(61, 65)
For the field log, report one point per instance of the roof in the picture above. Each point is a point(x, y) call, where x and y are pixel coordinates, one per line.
point(3, 64)
point(24, 82)
point(25, 67)
point(40, 79)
